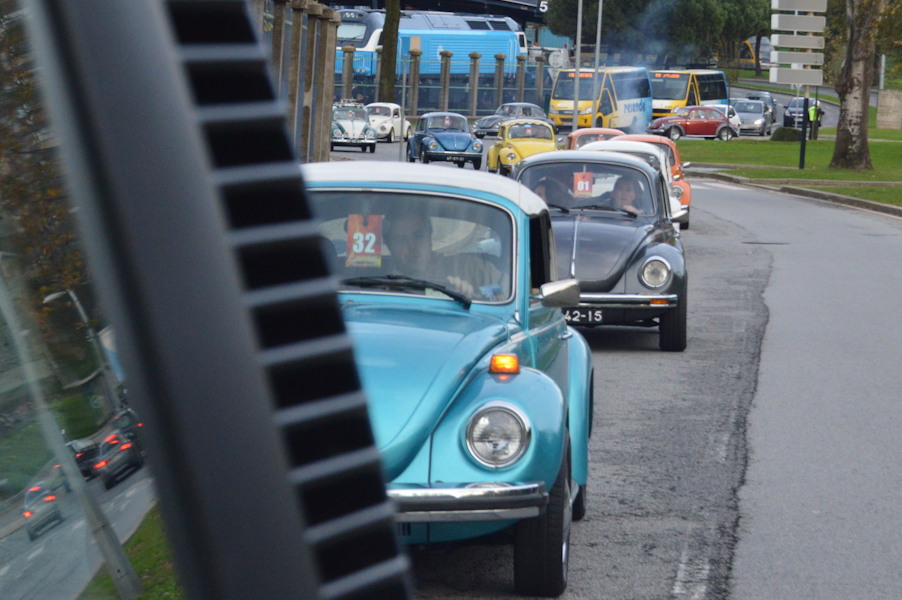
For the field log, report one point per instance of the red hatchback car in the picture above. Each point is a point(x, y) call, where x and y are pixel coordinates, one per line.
point(695, 121)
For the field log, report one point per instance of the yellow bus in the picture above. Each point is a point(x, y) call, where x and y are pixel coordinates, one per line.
point(623, 102)
point(675, 89)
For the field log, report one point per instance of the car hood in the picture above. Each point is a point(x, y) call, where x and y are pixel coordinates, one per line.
point(352, 128)
point(453, 141)
point(526, 148)
point(750, 117)
point(377, 121)
point(603, 245)
point(665, 120)
point(411, 361)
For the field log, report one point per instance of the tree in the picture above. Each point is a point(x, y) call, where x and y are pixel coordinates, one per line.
point(742, 20)
point(389, 50)
point(851, 151)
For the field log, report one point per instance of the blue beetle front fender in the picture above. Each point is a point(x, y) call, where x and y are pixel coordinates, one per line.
point(540, 400)
point(581, 405)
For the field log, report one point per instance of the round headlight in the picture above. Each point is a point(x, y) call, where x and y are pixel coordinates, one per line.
point(433, 145)
point(511, 156)
point(655, 272)
point(498, 434)
point(370, 133)
point(677, 192)
point(477, 146)
point(383, 127)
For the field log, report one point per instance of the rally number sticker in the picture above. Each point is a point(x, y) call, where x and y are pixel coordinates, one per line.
point(582, 185)
point(364, 241)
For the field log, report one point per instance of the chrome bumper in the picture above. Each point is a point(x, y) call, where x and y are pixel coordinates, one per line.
point(489, 502)
point(590, 300)
point(440, 155)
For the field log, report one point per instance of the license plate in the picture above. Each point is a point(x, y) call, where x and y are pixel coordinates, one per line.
point(584, 316)
point(457, 159)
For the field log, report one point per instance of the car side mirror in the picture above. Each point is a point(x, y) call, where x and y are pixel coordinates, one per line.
point(560, 294)
point(686, 165)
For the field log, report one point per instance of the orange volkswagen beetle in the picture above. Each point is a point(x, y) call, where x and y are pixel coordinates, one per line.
point(579, 138)
point(676, 167)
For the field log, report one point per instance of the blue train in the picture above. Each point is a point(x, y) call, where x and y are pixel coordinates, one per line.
point(437, 31)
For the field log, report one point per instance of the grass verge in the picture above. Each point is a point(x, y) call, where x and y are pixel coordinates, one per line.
point(886, 158)
point(148, 550)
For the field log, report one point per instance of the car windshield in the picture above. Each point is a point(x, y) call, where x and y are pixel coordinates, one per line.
point(588, 138)
point(539, 132)
point(449, 122)
point(749, 107)
point(381, 111)
point(669, 86)
point(383, 241)
point(683, 112)
point(797, 103)
point(344, 113)
point(577, 184)
point(563, 89)
point(351, 32)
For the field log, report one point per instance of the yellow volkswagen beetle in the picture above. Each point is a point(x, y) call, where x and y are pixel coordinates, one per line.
point(518, 139)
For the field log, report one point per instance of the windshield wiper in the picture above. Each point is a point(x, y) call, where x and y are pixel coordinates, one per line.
point(404, 282)
point(607, 208)
point(563, 209)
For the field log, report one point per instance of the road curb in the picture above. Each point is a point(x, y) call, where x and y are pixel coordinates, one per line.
point(720, 177)
point(889, 209)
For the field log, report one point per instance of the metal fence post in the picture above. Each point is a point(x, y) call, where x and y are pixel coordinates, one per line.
point(414, 80)
point(445, 78)
point(328, 42)
point(474, 81)
point(278, 33)
point(347, 72)
point(295, 67)
point(540, 82)
point(521, 76)
point(499, 78)
point(312, 60)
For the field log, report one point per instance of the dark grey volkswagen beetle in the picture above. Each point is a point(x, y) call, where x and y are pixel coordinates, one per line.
point(613, 232)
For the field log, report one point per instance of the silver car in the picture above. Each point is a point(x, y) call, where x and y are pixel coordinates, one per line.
point(41, 509)
point(754, 117)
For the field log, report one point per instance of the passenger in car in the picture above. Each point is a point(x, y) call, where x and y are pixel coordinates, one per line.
point(628, 195)
point(409, 238)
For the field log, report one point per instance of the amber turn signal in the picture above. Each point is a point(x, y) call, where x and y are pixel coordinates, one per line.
point(505, 363)
point(659, 301)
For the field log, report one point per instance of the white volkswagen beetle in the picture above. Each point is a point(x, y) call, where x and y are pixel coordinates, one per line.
point(386, 119)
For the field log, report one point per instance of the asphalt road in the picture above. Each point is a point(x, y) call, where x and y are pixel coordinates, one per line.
point(762, 462)
point(63, 559)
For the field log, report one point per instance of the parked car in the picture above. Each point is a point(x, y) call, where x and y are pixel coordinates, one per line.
point(518, 139)
point(118, 458)
point(386, 119)
point(85, 453)
point(478, 392)
point(444, 136)
point(40, 509)
point(128, 423)
point(794, 114)
point(676, 170)
point(351, 127)
point(695, 121)
point(579, 138)
point(655, 155)
point(512, 110)
point(730, 112)
point(613, 234)
point(754, 116)
point(770, 104)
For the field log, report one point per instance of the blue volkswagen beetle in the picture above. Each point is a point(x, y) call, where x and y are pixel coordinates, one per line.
point(480, 395)
point(443, 136)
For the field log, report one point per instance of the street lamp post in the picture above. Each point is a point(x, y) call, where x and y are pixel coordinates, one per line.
point(92, 337)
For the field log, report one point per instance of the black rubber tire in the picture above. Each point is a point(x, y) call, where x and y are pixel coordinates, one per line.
point(363, 148)
point(373, 148)
point(579, 504)
point(407, 135)
point(725, 134)
point(599, 122)
point(410, 157)
point(685, 225)
point(423, 158)
point(461, 165)
point(108, 484)
point(31, 535)
point(542, 544)
point(477, 164)
point(331, 147)
point(672, 328)
point(674, 133)
point(391, 135)
point(503, 172)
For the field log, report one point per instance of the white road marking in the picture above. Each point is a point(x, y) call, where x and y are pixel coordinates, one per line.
point(692, 577)
point(78, 525)
point(131, 492)
point(4, 570)
point(35, 553)
point(726, 186)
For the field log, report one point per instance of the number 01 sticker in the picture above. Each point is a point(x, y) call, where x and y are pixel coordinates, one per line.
point(364, 241)
point(582, 185)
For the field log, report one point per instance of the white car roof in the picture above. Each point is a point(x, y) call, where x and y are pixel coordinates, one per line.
point(363, 172)
point(616, 145)
point(388, 104)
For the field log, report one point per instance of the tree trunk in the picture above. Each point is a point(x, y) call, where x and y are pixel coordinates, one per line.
point(758, 53)
point(389, 50)
point(854, 86)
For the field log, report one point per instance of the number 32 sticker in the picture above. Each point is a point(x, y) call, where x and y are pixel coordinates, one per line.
point(364, 241)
